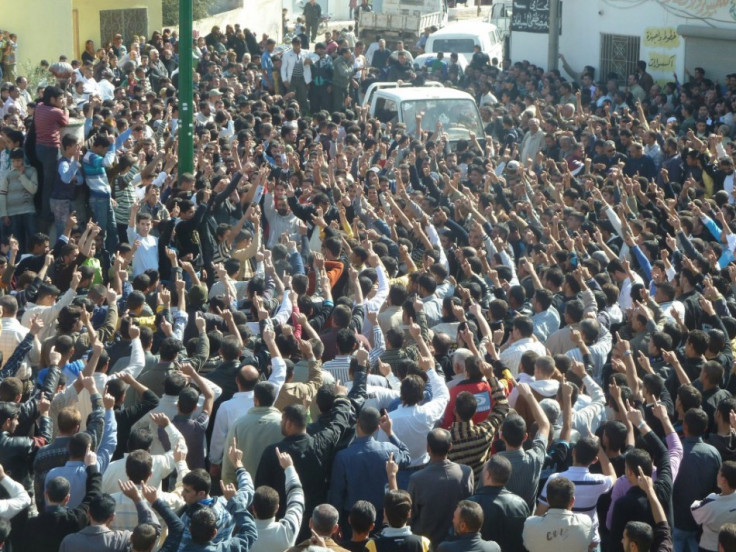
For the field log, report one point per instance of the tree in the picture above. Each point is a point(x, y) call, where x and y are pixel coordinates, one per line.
point(200, 9)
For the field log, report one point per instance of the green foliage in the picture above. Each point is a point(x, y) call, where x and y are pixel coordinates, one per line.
point(200, 9)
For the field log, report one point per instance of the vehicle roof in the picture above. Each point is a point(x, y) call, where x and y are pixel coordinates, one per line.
point(464, 27)
point(433, 55)
point(423, 93)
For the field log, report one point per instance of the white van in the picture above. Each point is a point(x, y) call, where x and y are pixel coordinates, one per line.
point(460, 37)
point(456, 110)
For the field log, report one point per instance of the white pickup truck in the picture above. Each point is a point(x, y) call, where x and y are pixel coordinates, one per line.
point(455, 110)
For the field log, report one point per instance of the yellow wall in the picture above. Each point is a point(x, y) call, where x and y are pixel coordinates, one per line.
point(89, 17)
point(44, 29)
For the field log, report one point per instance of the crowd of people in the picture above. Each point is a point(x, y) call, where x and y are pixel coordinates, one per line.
point(337, 333)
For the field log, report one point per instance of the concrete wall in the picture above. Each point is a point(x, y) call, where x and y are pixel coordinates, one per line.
point(44, 29)
point(260, 16)
point(583, 22)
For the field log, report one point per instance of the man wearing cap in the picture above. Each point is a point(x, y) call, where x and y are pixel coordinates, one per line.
point(321, 80)
point(296, 72)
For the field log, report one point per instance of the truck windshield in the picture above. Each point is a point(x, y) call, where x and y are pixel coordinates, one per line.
point(458, 117)
point(450, 45)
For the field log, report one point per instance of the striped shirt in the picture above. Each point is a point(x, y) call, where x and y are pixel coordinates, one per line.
point(588, 489)
point(298, 70)
point(125, 195)
point(471, 443)
point(338, 366)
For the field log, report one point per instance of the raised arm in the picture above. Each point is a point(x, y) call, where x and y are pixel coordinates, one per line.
point(539, 416)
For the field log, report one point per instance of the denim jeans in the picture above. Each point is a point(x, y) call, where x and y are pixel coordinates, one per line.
point(22, 227)
point(104, 216)
point(61, 209)
point(49, 157)
point(685, 541)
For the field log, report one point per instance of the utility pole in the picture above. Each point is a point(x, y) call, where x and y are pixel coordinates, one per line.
point(186, 109)
point(553, 46)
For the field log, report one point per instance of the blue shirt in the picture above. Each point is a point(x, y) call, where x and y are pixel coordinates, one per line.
point(267, 66)
point(359, 471)
point(71, 370)
point(75, 471)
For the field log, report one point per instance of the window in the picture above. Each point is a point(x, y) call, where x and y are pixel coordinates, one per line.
point(459, 117)
point(126, 22)
point(386, 110)
point(457, 45)
point(619, 54)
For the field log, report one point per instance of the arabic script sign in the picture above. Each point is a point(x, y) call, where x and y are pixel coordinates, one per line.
point(530, 16)
point(661, 37)
point(661, 63)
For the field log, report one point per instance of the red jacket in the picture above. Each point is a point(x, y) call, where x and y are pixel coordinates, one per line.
point(481, 390)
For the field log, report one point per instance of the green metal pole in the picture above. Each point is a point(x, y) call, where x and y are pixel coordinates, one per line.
point(186, 109)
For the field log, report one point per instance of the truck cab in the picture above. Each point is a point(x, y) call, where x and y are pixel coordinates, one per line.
point(454, 110)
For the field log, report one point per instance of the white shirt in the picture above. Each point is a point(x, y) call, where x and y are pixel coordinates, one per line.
point(137, 363)
point(238, 406)
point(18, 104)
point(48, 314)
point(280, 535)
point(19, 498)
point(91, 87)
point(163, 465)
point(488, 99)
point(598, 352)
point(107, 90)
point(728, 186)
point(412, 423)
point(10, 337)
point(711, 513)
point(589, 411)
point(370, 51)
point(146, 256)
point(624, 297)
point(511, 357)
point(558, 530)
